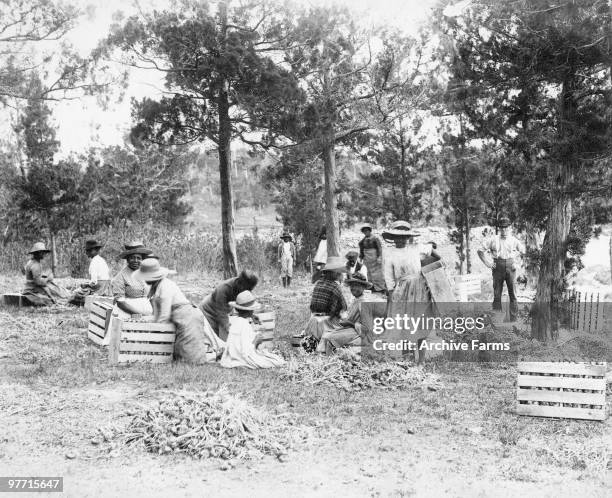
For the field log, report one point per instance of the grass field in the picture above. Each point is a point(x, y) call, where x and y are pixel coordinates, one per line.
point(460, 438)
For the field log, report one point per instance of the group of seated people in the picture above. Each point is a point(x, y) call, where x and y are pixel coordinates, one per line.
point(142, 290)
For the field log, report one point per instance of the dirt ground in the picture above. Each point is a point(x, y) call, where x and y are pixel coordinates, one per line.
point(461, 439)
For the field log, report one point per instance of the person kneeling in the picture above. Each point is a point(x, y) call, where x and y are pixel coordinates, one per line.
point(350, 333)
point(195, 340)
point(242, 341)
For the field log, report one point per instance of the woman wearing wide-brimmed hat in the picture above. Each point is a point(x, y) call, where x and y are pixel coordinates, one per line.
point(371, 254)
point(406, 286)
point(99, 275)
point(195, 340)
point(129, 293)
point(40, 289)
point(242, 341)
point(350, 332)
point(286, 258)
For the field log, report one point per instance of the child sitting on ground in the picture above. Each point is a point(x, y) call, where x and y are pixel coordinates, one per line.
point(242, 341)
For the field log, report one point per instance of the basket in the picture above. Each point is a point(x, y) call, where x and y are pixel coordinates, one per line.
point(135, 341)
point(562, 390)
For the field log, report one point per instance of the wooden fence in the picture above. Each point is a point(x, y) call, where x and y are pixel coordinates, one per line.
point(585, 311)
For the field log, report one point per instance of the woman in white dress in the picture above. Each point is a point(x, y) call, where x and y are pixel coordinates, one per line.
point(406, 287)
point(242, 341)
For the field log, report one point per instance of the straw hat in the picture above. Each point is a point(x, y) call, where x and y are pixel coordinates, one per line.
point(335, 263)
point(286, 235)
point(358, 278)
point(92, 244)
point(366, 226)
point(135, 247)
point(351, 254)
point(399, 228)
point(150, 269)
point(503, 222)
point(38, 247)
point(245, 301)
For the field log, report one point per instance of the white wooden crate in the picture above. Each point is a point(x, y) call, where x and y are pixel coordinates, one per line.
point(266, 328)
point(135, 341)
point(89, 300)
point(99, 319)
point(562, 389)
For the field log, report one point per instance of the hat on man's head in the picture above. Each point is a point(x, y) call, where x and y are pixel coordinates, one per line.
point(245, 301)
point(38, 247)
point(399, 228)
point(92, 244)
point(351, 255)
point(366, 226)
point(359, 279)
point(503, 222)
point(286, 235)
point(150, 269)
point(335, 263)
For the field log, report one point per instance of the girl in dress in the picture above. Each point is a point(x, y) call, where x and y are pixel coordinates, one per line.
point(407, 289)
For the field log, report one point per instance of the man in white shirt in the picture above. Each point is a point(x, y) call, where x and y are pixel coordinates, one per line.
point(505, 249)
point(99, 275)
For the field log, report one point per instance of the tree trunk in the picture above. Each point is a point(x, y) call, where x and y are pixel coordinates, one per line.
point(331, 212)
point(468, 256)
point(610, 255)
point(552, 269)
point(225, 157)
point(53, 254)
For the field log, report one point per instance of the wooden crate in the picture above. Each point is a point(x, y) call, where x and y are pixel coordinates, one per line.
point(438, 282)
point(14, 300)
point(89, 300)
point(266, 328)
point(99, 319)
point(141, 341)
point(466, 285)
point(562, 390)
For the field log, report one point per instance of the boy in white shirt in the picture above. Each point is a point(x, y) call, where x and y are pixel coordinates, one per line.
point(99, 275)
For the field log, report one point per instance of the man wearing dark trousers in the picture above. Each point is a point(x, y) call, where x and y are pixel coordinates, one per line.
point(505, 249)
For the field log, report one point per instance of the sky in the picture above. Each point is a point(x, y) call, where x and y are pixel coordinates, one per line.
point(83, 123)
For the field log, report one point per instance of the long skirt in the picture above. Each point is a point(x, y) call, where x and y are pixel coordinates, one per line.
point(196, 342)
point(319, 325)
point(334, 339)
point(47, 295)
point(240, 352)
point(375, 271)
point(410, 297)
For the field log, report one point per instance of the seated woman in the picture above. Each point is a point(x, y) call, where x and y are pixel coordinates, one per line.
point(130, 294)
point(327, 302)
point(40, 289)
point(350, 333)
point(195, 340)
point(99, 275)
point(242, 341)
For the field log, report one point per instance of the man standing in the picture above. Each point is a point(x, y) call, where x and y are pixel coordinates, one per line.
point(504, 249)
point(370, 253)
point(286, 258)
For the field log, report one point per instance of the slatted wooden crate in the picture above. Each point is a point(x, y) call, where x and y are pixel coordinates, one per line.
point(266, 328)
point(89, 300)
point(141, 341)
point(467, 285)
point(99, 319)
point(562, 389)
